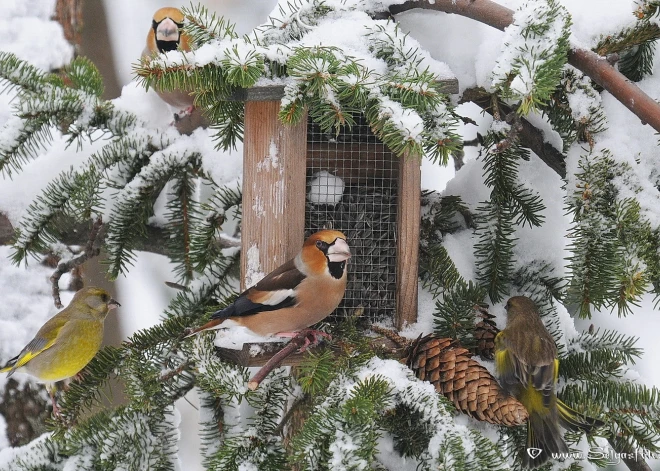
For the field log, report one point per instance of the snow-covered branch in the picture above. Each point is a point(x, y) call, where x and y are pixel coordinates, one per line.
point(596, 67)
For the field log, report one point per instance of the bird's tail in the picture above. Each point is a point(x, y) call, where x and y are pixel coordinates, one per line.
point(210, 325)
point(9, 367)
point(217, 318)
point(573, 420)
point(543, 439)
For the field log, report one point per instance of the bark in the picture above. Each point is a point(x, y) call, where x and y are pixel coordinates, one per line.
point(69, 13)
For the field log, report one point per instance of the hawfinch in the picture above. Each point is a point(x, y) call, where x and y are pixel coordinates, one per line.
point(298, 294)
point(166, 35)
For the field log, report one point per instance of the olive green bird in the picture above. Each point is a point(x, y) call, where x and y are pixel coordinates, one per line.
point(66, 342)
point(527, 365)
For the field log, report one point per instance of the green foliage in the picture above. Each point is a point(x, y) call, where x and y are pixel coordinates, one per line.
point(635, 44)
point(599, 356)
point(351, 399)
point(455, 314)
point(530, 72)
point(202, 26)
point(613, 258)
point(566, 109)
point(632, 410)
point(403, 105)
point(255, 441)
point(355, 410)
point(637, 62)
point(440, 216)
point(125, 439)
point(134, 207)
point(511, 204)
point(206, 226)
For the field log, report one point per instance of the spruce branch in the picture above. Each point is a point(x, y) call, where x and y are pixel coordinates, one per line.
point(596, 67)
point(64, 267)
point(529, 135)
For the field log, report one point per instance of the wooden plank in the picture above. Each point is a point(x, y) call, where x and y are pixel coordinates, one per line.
point(276, 92)
point(274, 157)
point(408, 222)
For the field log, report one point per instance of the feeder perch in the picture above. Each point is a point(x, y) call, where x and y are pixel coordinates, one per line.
point(297, 180)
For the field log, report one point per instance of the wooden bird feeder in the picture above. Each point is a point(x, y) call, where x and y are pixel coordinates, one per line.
point(374, 198)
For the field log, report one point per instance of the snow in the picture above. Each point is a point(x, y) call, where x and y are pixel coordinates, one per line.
point(20, 20)
point(8, 456)
point(233, 337)
point(31, 34)
point(526, 50)
point(325, 188)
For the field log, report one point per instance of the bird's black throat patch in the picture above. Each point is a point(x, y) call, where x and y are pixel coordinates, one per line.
point(166, 46)
point(337, 268)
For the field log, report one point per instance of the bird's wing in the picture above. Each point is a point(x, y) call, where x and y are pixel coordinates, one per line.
point(45, 338)
point(277, 290)
point(545, 371)
point(509, 369)
point(513, 371)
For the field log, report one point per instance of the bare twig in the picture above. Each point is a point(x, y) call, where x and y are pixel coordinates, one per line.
point(530, 136)
point(392, 335)
point(64, 267)
point(595, 66)
point(295, 343)
point(513, 135)
point(172, 373)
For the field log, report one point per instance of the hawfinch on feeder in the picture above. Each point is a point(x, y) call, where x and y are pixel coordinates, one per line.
point(295, 296)
point(165, 35)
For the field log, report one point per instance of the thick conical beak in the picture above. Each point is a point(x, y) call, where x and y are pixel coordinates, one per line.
point(112, 304)
point(339, 251)
point(167, 31)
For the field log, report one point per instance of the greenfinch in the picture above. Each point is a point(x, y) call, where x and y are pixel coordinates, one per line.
point(527, 365)
point(66, 342)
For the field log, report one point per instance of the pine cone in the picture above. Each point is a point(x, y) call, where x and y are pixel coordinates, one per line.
point(485, 332)
point(463, 381)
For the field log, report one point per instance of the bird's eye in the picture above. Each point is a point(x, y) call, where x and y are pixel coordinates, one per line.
point(321, 245)
point(105, 298)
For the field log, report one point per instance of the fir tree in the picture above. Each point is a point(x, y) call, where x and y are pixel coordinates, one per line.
point(353, 399)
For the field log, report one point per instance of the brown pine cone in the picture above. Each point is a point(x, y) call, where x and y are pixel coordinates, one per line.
point(466, 383)
point(485, 332)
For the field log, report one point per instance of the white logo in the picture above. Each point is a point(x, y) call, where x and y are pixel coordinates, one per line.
point(534, 452)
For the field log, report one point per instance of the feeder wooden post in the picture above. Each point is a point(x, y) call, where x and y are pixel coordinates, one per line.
point(274, 163)
point(408, 222)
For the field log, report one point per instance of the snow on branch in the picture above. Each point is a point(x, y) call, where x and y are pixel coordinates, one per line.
point(596, 67)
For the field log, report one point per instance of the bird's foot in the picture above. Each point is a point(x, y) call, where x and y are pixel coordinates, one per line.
point(53, 400)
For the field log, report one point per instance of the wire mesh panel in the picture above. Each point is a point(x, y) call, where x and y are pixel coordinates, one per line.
point(352, 187)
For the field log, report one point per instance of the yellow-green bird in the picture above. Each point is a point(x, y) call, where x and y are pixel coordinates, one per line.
point(527, 365)
point(66, 342)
